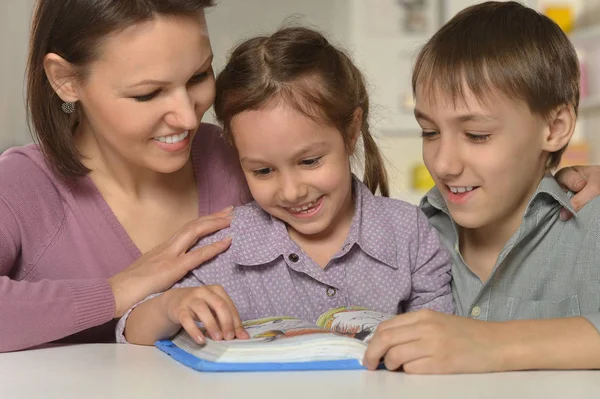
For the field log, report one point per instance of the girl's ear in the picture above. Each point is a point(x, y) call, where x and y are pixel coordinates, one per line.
point(356, 128)
point(561, 125)
point(61, 75)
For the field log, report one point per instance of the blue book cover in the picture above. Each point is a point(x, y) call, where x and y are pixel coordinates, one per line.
point(337, 341)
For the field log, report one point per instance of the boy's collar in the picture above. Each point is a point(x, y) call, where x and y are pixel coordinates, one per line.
point(548, 187)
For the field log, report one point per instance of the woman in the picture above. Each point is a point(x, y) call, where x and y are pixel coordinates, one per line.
point(101, 213)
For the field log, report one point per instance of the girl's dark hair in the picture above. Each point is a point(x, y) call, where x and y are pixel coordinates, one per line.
point(301, 67)
point(74, 29)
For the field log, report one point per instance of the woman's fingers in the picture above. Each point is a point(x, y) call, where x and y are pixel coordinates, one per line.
point(190, 233)
point(199, 255)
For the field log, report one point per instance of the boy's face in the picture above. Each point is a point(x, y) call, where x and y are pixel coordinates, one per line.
point(486, 158)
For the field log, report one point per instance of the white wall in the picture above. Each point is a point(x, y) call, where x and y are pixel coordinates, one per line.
point(14, 27)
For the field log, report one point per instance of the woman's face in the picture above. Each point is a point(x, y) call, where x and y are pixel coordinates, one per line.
point(144, 96)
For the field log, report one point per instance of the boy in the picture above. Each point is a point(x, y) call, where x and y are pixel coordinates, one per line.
point(497, 91)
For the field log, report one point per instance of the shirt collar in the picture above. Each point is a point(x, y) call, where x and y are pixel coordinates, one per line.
point(548, 190)
point(259, 238)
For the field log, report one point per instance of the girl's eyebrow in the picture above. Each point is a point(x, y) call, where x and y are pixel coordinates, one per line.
point(319, 145)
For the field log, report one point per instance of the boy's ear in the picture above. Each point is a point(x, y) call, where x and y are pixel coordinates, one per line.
point(356, 129)
point(61, 75)
point(561, 125)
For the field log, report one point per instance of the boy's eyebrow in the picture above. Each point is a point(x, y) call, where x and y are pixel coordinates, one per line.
point(474, 117)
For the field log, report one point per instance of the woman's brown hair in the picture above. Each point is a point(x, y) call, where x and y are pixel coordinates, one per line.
point(301, 67)
point(74, 30)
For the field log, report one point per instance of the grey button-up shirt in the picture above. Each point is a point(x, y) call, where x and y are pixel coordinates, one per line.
point(548, 268)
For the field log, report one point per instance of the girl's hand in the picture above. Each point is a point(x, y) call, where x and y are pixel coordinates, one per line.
point(160, 268)
point(209, 305)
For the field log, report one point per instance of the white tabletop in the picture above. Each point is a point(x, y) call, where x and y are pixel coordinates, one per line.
point(127, 371)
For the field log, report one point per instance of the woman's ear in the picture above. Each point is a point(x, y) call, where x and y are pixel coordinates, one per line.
point(61, 75)
point(561, 125)
point(356, 128)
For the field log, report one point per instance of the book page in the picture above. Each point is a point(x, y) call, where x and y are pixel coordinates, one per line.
point(353, 321)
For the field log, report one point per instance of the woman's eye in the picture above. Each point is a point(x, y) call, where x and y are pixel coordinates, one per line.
point(428, 134)
point(311, 161)
point(198, 78)
point(478, 138)
point(262, 172)
point(146, 97)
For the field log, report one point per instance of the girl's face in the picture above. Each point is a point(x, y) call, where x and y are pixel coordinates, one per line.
point(298, 170)
point(144, 97)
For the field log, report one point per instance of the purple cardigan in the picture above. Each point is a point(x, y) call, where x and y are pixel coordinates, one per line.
point(60, 242)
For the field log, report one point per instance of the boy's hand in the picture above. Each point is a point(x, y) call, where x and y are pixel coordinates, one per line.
point(428, 342)
point(582, 180)
point(209, 305)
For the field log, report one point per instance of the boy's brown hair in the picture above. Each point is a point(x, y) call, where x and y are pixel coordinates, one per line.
point(299, 66)
point(502, 46)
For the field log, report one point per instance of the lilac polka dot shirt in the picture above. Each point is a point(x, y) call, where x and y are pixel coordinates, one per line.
point(392, 262)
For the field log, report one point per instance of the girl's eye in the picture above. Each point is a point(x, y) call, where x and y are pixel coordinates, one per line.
point(429, 134)
point(198, 78)
point(146, 97)
point(478, 138)
point(311, 161)
point(262, 172)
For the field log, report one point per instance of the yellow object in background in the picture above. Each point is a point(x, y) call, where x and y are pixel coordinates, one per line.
point(562, 15)
point(421, 179)
point(576, 154)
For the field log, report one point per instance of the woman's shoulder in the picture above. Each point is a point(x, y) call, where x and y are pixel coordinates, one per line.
point(28, 181)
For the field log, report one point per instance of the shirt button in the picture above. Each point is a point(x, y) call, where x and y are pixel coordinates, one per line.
point(293, 257)
point(331, 291)
point(476, 311)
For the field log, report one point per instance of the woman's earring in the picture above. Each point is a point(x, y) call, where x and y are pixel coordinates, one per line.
point(68, 107)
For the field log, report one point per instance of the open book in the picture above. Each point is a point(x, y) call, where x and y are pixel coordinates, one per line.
point(337, 341)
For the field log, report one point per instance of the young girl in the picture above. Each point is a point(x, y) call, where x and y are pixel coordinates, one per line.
point(316, 237)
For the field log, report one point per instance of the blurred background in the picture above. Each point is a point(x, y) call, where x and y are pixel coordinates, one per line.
point(383, 37)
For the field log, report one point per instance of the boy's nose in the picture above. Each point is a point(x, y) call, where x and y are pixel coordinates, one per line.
point(448, 161)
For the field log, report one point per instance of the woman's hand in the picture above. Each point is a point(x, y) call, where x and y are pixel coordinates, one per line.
point(209, 305)
point(160, 268)
point(584, 181)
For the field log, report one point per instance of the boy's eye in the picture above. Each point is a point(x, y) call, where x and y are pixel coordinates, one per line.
point(428, 134)
point(311, 161)
point(478, 138)
point(146, 97)
point(262, 172)
point(198, 77)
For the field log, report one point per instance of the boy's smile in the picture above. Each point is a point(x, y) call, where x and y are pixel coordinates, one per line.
point(486, 157)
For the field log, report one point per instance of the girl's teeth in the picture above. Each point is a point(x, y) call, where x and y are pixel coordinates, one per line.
point(175, 138)
point(304, 208)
